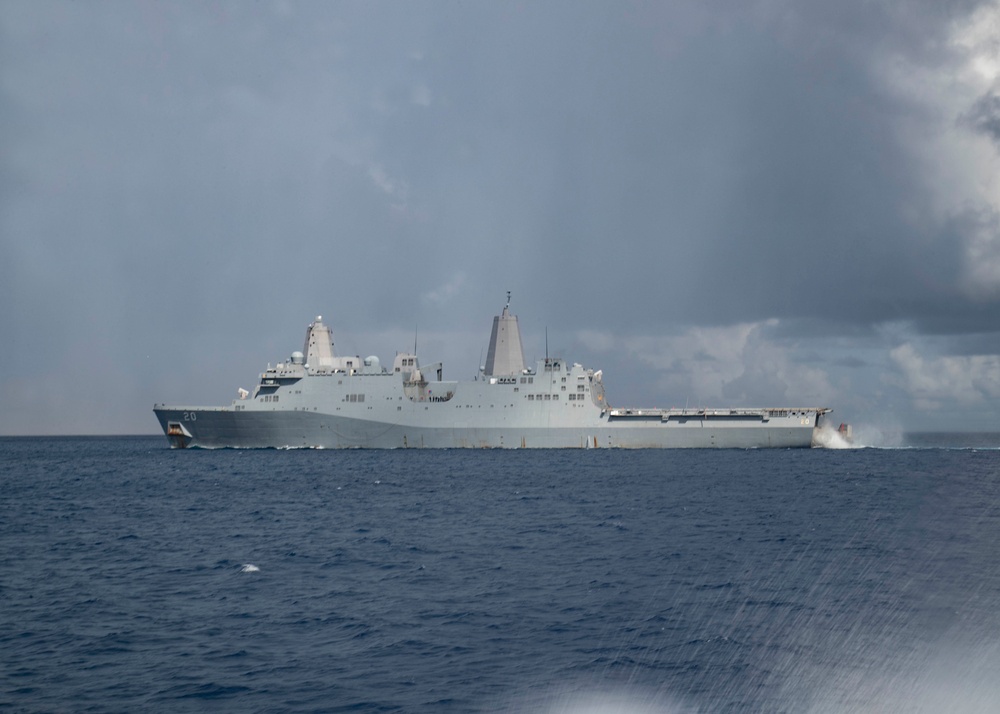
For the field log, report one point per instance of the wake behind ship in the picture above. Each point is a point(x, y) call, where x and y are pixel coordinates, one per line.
point(316, 399)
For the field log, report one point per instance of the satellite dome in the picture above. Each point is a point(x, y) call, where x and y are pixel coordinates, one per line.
point(297, 357)
point(372, 361)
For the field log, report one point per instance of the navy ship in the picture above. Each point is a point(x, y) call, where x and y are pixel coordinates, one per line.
point(317, 399)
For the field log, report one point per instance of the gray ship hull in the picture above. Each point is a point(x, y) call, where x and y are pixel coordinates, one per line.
point(220, 428)
point(317, 400)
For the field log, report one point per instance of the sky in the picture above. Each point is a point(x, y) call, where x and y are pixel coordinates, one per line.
point(718, 203)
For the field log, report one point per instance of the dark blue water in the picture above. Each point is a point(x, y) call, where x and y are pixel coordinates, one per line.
point(497, 581)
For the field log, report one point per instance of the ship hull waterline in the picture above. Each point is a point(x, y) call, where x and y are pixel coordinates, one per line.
point(208, 427)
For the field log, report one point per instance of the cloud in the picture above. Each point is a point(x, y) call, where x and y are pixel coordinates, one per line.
point(732, 200)
point(381, 179)
point(942, 122)
point(448, 291)
point(932, 383)
point(420, 95)
point(984, 116)
point(982, 251)
point(739, 364)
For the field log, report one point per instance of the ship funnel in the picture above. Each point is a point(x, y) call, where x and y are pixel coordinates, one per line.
point(505, 356)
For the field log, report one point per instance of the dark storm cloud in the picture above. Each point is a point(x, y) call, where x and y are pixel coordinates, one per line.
point(984, 116)
point(752, 170)
point(186, 185)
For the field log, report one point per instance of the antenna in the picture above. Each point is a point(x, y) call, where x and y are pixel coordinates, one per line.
point(415, 339)
point(546, 344)
point(508, 298)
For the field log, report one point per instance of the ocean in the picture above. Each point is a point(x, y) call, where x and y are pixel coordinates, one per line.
point(136, 578)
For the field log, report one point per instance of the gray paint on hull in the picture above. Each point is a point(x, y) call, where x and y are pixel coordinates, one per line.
point(217, 428)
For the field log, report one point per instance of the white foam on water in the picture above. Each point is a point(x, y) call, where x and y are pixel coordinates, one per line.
point(865, 436)
point(827, 437)
point(249, 568)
